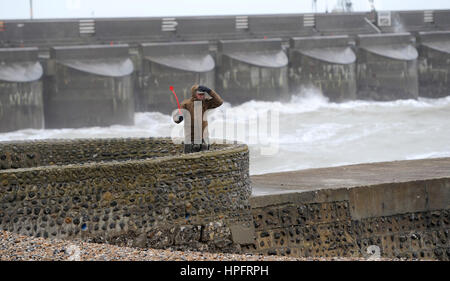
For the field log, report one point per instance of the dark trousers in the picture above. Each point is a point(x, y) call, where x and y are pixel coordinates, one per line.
point(192, 147)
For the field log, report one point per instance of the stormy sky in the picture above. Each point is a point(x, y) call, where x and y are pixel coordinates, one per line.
point(20, 9)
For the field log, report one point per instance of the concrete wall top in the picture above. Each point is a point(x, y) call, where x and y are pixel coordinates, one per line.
point(187, 56)
point(51, 32)
point(349, 23)
point(442, 18)
point(249, 45)
point(373, 200)
point(60, 152)
point(153, 194)
point(319, 42)
point(89, 52)
point(436, 40)
point(25, 30)
point(104, 60)
point(18, 54)
point(409, 21)
point(257, 52)
point(274, 24)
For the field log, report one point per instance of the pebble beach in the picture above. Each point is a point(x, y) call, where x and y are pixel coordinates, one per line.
point(15, 247)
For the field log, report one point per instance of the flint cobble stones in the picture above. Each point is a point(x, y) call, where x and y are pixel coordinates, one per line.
point(327, 230)
point(94, 190)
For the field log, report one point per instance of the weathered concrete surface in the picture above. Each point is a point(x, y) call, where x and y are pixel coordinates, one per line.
point(377, 189)
point(352, 176)
point(47, 33)
point(324, 62)
point(179, 64)
point(252, 70)
point(434, 64)
point(275, 26)
point(386, 67)
point(411, 21)
point(21, 100)
point(141, 192)
point(89, 86)
point(343, 23)
point(146, 193)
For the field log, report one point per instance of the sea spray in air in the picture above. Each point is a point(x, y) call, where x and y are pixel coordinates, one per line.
point(312, 131)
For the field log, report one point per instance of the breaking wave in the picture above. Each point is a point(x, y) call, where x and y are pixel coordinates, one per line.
point(311, 131)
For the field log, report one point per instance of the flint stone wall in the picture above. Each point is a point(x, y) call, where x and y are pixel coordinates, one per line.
point(155, 197)
point(396, 220)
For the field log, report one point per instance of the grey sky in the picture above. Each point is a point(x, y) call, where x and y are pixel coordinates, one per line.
point(12, 9)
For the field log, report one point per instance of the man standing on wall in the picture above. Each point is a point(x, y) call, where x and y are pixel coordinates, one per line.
point(196, 125)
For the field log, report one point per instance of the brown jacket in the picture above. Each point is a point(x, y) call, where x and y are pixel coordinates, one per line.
point(213, 102)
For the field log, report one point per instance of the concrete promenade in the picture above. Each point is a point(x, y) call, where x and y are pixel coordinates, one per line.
point(350, 176)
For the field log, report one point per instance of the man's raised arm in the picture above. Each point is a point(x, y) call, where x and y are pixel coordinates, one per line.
point(216, 100)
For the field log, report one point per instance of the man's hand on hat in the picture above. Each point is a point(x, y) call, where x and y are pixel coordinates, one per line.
point(204, 89)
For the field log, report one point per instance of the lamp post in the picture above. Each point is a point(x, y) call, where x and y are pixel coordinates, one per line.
point(314, 6)
point(31, 9)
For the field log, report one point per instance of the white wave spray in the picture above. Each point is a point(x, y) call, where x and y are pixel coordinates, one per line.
point(313, 132)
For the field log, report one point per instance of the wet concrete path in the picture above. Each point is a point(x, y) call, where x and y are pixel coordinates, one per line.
point(350, 176)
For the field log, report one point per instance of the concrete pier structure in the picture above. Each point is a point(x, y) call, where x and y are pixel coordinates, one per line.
point(387, 67)
point(89, 86)
point(274, 26)
point(327, 63)
point(434, 64)
point(52, 32)
point(252, 70)
point(249, 52)
point(179, 65)
point(21, 101)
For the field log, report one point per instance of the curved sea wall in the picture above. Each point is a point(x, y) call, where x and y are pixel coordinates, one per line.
point(147, 193)
point(154, 196)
